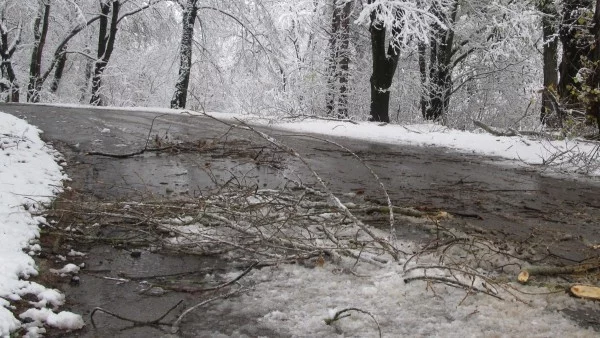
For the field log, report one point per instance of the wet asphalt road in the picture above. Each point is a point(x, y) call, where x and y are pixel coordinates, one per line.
point(560, 217)
point(515, 204)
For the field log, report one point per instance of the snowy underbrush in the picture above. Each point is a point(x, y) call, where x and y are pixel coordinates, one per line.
point(29, 178)
point(296, 300)
point(455, 287)
point(316, 266)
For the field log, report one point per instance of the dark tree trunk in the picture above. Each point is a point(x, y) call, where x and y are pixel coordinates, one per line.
point(333, 60)
point(179, 99)
point(344, 60)
point(574, 33)
point(6, 53)
point(424, 102)
point(101, 50)
point(58, 72)
point(40, 31)
point(106, 44)
point(13, 88)
point(550, 116)
point(593, 81)
point(440, 64)
point(87, 75)
point(384, 67)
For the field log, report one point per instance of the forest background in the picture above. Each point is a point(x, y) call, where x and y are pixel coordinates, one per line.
point(508, 63)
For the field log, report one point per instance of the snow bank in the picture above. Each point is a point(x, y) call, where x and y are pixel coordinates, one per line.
point(294, 300)
point(29, 177)
point(531, 152)
point(574, 154)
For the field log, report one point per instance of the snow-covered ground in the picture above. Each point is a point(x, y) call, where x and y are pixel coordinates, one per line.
point(292, 299)
point(29, 177)
point(567, 155)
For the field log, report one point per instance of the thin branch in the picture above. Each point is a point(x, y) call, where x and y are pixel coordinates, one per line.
point(156, 321)
point(338, 316)
point(139, 152)
point(451, 282)
point(175, 326)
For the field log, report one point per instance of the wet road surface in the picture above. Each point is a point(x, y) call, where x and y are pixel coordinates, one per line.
point(556, 217)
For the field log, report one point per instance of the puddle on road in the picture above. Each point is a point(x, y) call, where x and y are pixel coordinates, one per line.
point(100, 287)
point(174, 175)
point(147, 177)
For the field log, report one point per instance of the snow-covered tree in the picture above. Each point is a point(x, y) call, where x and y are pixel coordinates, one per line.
point(8, 46)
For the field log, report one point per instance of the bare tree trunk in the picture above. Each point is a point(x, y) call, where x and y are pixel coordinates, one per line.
point(384, 67)
point(593, 82)
point(333, 58)
point(58, 72)
point(40, 31)
point(440, 65)
point(13, 88)
point(86, 81)
point(549, 116)
point(344, 60)
point(572, 35)
point(6, 53)
point(190, 11)
point(424, 101)
point(106, 44)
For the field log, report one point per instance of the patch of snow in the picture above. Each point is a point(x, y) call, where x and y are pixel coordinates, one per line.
point(515, 148)
point(50, 297)
point(29, 177)
point(294, 300)
point(76, 253)
point(63, 320)
point(67, 269)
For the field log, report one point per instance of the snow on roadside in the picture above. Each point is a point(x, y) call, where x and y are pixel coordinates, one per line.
point(293, 300)
point(531, 152)
point(564, 156)
point(29, 177)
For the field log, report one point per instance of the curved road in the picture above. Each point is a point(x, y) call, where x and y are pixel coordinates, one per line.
point(515, 203)
point(559, 218)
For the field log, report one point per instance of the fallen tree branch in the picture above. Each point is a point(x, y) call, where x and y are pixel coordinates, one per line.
point(492, 130)
point(451, 282)
point(304, 116)
point(139, 152)
point(385, 245)
point(373, 173)
point(338, 315)
point(127, 155)
point(511, 132)
point(585, 291)
point(215, 288)
point(175, 326)
point(156, 321)
point(555, 270)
